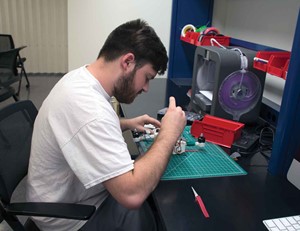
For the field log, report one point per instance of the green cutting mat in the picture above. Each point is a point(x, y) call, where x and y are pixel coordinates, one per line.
point(197, 162)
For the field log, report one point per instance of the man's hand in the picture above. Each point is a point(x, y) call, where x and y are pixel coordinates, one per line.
point(138, 123)
point(174, 121)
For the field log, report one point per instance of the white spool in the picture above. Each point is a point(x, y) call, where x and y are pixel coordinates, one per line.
point(186, 28)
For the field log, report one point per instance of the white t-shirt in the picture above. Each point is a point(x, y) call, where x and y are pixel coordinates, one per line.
point(77, 144)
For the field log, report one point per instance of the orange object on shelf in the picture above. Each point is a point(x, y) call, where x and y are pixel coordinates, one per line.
point(217, 130)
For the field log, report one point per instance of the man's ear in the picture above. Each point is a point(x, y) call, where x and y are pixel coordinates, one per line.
point(128, 61)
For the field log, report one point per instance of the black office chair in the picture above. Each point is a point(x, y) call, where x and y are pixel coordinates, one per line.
point(16, 126)
point(7, 74)
point(7, 43)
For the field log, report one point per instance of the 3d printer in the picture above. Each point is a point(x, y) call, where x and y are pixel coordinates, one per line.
point(225, 84)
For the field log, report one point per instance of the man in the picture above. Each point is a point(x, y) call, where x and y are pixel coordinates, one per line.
point(78, 152)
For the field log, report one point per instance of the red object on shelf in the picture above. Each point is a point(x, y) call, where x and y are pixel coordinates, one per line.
point(273, 62)
point(217, 130)
point(206, 40)
point(262, 55)
point(194, 37)
point(276, 65)
point(190, 37)
point(285, 69)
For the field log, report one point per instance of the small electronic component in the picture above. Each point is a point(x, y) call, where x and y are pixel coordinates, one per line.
point(179, 147)
point(136, 136)
point(149, 134)
point(201, 141)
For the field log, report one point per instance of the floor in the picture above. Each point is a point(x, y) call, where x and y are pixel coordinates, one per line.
point(40, 86)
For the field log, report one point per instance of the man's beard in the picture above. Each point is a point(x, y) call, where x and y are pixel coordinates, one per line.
point(124, 90)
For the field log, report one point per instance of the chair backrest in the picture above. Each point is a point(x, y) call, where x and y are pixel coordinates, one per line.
point(8, 58)
point(6, 42)
point(8, 67)
point(16, 127)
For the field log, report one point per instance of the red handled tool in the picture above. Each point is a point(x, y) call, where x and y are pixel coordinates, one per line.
point(200, 203)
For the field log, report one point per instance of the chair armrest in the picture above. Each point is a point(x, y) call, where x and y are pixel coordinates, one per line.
point(21, 47)
point(58, 210)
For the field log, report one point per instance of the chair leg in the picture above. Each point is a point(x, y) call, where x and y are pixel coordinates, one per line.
point(13, 222)
point(20, 82)
point(16, 97)
point(21, 65)
point(25, 74)
point(30, 225)
point(19, 87)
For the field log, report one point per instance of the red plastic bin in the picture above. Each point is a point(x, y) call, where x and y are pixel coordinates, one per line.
point(190, 37)
point(272, 62)
point(217, 130)
point(206, 40)
point(193, 38)
point(285, 69)
point(260, 64)
point(277, 64)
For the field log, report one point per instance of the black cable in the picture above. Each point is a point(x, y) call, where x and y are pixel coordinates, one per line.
point(265, 141)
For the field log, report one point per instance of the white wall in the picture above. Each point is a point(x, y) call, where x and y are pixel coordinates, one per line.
point(42, 27)
point(90, 22)
point(267, 22)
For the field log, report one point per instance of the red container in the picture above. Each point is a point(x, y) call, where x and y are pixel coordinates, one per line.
point(285, 69)
point(271, 61)
point(276, 65)
point(194, 37)
point(260, 64)
point(217, 130)
point(206, 40)
point(190, 37)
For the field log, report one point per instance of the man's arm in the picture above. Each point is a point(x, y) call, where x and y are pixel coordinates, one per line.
point(132, 188)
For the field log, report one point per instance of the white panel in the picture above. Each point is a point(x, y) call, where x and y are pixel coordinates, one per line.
point(90, 22)
point(294, 173)
point(41, 25)
point(273, 91)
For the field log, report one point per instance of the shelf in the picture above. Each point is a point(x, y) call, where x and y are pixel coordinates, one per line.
point(185, 82)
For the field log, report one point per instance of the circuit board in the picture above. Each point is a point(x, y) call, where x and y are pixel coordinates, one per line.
point(198, 162)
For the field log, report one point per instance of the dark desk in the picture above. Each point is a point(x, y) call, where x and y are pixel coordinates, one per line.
point(233, 203)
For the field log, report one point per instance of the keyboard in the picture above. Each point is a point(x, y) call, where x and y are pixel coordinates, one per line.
point(283, 223)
